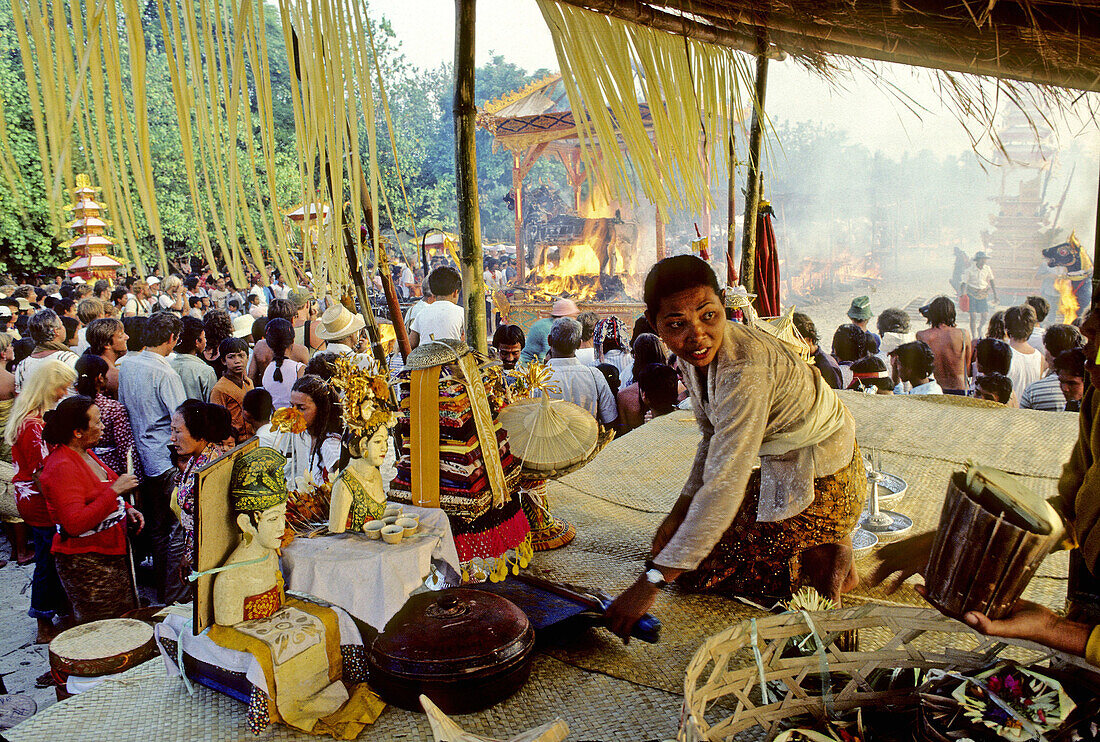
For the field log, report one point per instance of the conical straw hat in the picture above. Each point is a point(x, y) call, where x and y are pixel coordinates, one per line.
point(548, 434)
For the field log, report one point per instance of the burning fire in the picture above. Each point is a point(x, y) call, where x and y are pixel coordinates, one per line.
point(1067, 300)
point(575, 274)
point(844, 271)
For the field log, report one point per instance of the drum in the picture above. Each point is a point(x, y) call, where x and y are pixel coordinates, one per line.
point(981, 559)
point(101, 648)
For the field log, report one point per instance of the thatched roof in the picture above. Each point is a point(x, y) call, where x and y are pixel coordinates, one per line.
point(1049, 42)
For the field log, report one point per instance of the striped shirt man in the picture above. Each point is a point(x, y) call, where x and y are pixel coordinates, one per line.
point(1044, 394)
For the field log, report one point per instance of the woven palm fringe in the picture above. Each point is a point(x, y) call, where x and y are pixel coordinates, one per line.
point(724, 674)
point(687, 85)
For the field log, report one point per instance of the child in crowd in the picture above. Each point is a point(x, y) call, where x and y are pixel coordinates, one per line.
point(258, 408)
point(915, 364)
point(658, 384)
point(994, 387)
point(233, 385)
point(1070, 367)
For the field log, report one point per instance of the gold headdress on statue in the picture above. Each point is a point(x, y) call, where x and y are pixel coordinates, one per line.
point(365, 399)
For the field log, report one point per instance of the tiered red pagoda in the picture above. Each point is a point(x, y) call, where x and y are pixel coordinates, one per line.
point(91, 245)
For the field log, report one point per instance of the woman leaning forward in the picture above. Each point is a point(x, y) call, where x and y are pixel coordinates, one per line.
point(735, 528)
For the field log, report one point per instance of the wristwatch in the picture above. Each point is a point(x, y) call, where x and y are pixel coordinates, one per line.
point(655, 577)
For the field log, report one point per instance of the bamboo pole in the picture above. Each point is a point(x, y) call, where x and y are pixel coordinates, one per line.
point(731, 213)
point(517, 188)
point(659, 234)
point(752, 182)
point(469, 218)
point(1096, 253)
point(351, 251)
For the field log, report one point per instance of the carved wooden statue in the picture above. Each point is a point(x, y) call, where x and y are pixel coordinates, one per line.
point(357, 494)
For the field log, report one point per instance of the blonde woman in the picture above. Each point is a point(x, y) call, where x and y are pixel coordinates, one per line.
point(14, 526)
point(173, 297)
point(43, 389)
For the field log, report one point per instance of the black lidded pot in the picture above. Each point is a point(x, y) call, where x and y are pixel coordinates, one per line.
point(463, 648)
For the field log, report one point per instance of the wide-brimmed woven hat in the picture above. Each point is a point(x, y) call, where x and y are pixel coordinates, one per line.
point(337, 322)
point(548, 434)
point(242, 326)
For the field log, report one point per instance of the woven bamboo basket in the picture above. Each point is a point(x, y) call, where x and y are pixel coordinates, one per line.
point(722, 689)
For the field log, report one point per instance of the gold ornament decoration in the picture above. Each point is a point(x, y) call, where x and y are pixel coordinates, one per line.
point(365, 396)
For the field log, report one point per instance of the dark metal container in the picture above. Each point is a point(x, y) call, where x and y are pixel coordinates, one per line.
point(980, 560)
point(463, 648)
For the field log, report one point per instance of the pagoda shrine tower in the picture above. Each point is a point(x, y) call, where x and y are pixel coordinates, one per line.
point(1021, 226)
point(90, 244)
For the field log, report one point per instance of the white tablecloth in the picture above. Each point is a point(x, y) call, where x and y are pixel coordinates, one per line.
point(369, 578)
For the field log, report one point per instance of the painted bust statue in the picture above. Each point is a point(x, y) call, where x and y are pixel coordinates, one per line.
point(367, 411)
point(295, 642)
point(253, 589)
point(357, 494)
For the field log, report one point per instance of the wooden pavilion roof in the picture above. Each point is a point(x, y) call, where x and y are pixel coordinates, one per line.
point(1049, 42)
point(538, 113)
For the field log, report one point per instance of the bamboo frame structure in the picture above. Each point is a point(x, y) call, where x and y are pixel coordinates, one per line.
point(469, 215)
point(1046, 43)
point(752, 181)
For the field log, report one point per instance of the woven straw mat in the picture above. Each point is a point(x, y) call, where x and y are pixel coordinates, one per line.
point(144, 704)
point(602, 688)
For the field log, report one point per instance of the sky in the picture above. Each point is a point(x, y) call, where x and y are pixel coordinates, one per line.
point(516, 30)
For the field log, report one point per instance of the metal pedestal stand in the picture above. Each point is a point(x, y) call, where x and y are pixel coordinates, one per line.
point(883, 523)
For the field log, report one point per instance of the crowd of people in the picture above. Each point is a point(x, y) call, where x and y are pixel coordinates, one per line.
point(113, 397)
point(1018, 362)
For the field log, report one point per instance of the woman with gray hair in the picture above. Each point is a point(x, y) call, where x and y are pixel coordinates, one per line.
point(48, 333)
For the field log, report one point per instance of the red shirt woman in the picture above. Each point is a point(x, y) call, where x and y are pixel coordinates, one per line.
point(49, 383)
point(84, 498)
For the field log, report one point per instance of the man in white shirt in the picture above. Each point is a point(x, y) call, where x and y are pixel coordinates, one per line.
point(916, 362)
point(442, 319)
point(417, 308)
point(582, 385)
point(977, 284)
point(407, 281)
point(140, 300)
point(490, 276)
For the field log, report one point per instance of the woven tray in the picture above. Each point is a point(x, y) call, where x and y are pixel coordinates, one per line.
point(722, 690)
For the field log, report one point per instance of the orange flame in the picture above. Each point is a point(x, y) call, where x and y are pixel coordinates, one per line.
point(844, 270)
point(575, 275)
point(1067, 300)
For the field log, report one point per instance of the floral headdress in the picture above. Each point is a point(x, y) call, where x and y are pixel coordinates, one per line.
point(366, 404)
point(609, 328)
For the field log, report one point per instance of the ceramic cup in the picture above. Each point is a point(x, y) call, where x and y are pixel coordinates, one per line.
point(389, 520)
point(392, 534)
point(373, 528)
point(392, 510)
point(408, 524)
